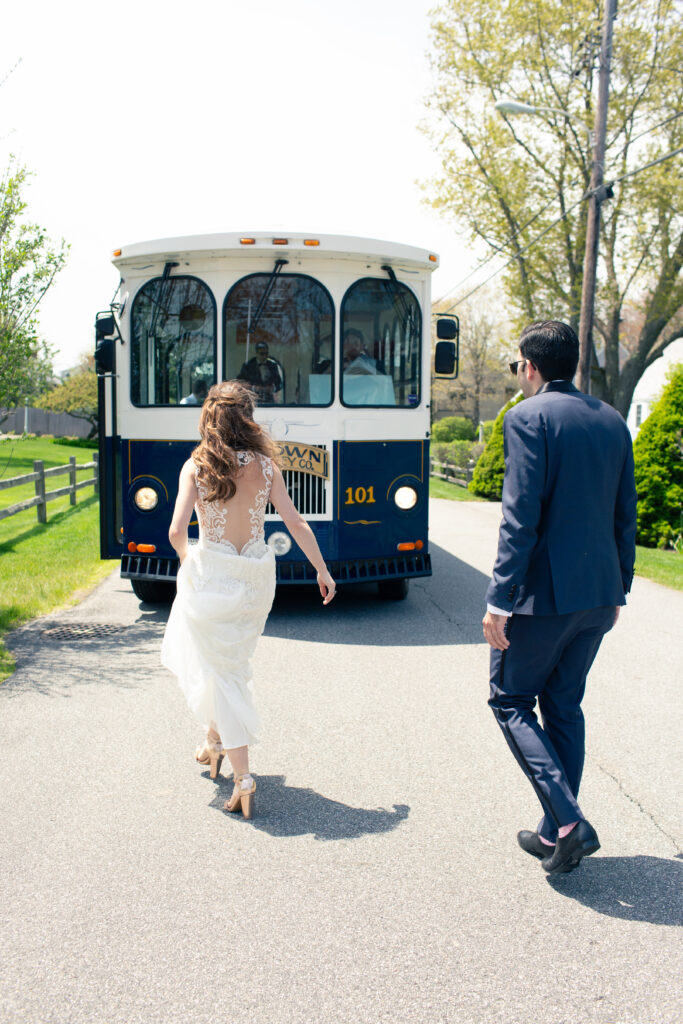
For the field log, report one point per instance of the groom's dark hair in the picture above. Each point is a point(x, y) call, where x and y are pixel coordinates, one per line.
point(552, 347)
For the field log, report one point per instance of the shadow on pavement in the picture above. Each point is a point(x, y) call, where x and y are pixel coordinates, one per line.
point(284, 811)
point(640, 888)
point(445, 608)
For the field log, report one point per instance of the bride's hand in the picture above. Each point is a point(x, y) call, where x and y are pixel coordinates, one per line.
point(327, 586)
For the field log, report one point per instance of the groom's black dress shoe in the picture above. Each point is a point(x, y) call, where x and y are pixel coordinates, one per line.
point(531, 843)
point(581, 842)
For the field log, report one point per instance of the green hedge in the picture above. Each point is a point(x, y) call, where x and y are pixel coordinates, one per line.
point(453, 428)
point(658, 454)
point(487, 479)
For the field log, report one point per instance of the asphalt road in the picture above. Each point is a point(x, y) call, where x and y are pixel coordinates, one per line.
point(381, 880)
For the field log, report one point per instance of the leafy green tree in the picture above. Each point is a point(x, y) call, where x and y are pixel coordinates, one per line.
point(77, 395)
point(28, 266)
point(658, 455)
point(516, 184)
point(453, 428)
point(487, 479)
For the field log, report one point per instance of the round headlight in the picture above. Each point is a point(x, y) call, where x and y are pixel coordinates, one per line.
point(280, 543)
point(146, 498)
point(406, 497)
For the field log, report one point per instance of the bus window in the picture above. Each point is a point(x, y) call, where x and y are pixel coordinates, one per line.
point(380, 349)
point(174, 342)
point(287, 352)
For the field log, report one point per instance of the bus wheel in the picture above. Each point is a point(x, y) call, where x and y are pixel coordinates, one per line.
point(153, 591)
point(393, 590)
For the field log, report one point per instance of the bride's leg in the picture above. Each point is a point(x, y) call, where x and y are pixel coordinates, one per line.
point(245, 787)
point(239, 760)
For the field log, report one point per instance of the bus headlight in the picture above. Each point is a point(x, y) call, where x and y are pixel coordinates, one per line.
point(406, 497)
point(146, 498)
point(280, 543)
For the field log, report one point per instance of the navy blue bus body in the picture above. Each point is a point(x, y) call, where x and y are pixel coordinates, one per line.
point(369, 537)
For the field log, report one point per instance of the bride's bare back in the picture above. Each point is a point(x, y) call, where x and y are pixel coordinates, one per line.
point(238, 521)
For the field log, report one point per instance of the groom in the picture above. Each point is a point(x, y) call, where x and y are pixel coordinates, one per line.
point(566, 551)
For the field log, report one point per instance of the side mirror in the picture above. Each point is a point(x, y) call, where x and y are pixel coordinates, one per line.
point(446, 359)
point(104, 326)
point(105, 355)
point(447, 330)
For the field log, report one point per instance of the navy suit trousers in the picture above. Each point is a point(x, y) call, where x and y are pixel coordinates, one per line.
point(548, 660)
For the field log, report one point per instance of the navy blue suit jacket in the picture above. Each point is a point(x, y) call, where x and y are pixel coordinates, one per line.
point(567, 539)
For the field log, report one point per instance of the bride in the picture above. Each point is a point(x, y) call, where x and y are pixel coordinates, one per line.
point(226, 582)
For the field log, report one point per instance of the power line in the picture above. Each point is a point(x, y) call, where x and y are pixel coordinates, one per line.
point(587, 195)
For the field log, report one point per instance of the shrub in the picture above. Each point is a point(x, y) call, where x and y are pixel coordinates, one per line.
point(488, 429)
point(487, 480)
point(76, 442)
point(453, 428)
point(658, 454)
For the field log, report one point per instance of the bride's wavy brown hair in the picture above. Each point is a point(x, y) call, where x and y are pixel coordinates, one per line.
point(227, 426)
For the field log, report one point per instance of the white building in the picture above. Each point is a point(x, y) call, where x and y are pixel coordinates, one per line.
point(649, 387)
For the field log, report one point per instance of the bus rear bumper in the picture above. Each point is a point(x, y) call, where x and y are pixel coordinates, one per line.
point(352, 570)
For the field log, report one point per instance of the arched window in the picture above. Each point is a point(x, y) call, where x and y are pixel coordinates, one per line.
point(286, 352)
point(381, 344)
point(173, 342)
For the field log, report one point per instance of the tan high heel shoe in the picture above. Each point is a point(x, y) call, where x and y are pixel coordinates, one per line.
point(242, 798)
point(207, 754)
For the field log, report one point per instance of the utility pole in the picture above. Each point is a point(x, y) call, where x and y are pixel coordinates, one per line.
point(598, 194)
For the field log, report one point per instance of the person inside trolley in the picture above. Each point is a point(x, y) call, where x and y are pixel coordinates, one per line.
point(264, 374)
point(357, 359)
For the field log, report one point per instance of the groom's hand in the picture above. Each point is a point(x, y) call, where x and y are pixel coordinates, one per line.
point(494, 626)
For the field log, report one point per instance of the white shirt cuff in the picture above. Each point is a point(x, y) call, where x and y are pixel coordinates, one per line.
point(497, 611)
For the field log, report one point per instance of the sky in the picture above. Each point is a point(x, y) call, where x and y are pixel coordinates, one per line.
point(148, 119)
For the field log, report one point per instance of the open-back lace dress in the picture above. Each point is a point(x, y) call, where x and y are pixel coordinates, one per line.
point(222, 603)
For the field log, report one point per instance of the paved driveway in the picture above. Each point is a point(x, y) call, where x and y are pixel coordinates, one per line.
point(380, 880)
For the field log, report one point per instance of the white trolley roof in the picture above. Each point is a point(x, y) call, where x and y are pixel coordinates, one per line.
point(264, 242)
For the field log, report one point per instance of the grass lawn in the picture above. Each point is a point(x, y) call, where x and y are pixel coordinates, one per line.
point(665, 567)
point(45, 566)
point(454, 492)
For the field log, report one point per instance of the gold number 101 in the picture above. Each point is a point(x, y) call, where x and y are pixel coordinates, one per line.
point(360, 496)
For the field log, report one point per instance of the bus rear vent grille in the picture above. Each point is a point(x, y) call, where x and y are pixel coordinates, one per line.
point(308, 492)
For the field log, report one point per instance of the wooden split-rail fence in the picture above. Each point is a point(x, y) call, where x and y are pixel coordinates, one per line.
point(451, 473)
point(42, 496)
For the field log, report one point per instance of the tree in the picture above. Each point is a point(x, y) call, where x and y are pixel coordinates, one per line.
point(453, 428)
point(77, 395)
point(487, 479)
point(484, 376)
point(658, 455)
point(28, 266)
point(517, 185)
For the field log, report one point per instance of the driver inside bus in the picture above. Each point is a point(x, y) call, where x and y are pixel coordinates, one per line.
point(198, 394)
point(264, 374)
point(357, 360)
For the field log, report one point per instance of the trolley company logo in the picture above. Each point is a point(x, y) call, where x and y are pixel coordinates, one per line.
point(304, 459)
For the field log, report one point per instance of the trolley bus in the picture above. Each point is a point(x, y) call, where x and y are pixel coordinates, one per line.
point(334, 335)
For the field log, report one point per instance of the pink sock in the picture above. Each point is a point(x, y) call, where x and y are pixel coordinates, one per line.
point(564, 830)
point(546, 842)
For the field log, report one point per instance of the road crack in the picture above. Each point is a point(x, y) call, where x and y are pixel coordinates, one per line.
point(642, 809)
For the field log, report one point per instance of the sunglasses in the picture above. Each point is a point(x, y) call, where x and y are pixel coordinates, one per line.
point(514, 366)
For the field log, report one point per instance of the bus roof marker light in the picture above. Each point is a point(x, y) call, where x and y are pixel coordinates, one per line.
point(280, 241)
point(432, 258)
point(311, 241)
point(247, 241)
point(117, 252)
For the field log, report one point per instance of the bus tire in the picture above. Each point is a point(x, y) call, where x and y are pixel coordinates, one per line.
point(393, 590)
point(153, 591)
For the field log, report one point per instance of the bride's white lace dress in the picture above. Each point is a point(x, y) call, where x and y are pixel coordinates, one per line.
point(222, 603)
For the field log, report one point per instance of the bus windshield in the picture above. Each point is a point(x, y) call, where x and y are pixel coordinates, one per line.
point(380, 351)
point(288, 358)
point(174, 342)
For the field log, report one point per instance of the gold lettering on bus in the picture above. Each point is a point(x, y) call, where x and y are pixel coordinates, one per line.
point(304, 459)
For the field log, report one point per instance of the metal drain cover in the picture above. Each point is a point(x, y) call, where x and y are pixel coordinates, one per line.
point(82, 631)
